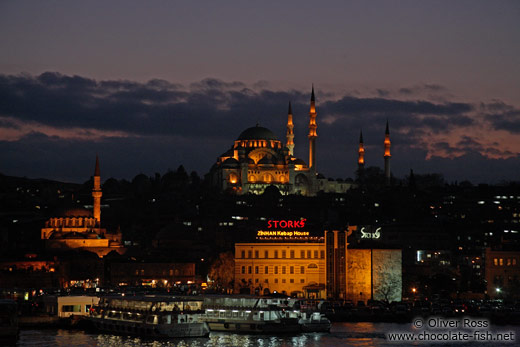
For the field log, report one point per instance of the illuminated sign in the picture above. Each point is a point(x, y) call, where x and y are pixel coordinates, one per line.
point(286, 223)
point(365, 234)
point(281, 233)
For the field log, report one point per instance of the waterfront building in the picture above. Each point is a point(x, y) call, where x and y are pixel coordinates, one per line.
point(503, 273)
point(317, 267)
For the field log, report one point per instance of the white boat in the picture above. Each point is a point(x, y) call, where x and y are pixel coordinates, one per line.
point(9, 329)
point(150, 316)
point(246, 314)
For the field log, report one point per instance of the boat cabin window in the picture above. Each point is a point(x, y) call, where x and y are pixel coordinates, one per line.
point(152, 319)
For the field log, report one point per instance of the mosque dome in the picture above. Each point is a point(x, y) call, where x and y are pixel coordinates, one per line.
point(75, 212)
point(266, 161)
point(250, 161)
point(257, 133)
point(279, 161)
point(298, 161)
point(230, 162)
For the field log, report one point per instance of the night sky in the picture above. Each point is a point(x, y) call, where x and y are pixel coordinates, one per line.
point(152, 85)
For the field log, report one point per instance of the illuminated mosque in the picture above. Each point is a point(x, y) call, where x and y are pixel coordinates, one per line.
point(257, 160)
point(80, 228)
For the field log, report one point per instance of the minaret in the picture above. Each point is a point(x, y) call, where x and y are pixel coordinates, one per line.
point(361, 153)
point(312, 133)
point(96, 192)
point(387, 154)
point(290, 132)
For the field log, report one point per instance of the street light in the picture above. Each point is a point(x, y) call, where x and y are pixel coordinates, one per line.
point(498, 290)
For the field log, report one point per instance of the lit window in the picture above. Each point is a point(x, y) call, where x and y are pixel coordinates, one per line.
point(276, 254)
point(291, 269)
point(284, 254)
point(256, 270)
point(232, 178)
point(315, 254)
point(322, 254)
point(308, 254)
point(276, 270)
point(292, 280)
point(292, 254)
point(495, 262)
point(283, 270)
point(250, 254)
point(276, 280)
point(266, 254)
point(501, 262)
point(243, 269)
point(302, 269)
point(266, 270)
point(249, 269)
point(243, 253)
point(283, 280)
point(257, 255)
point(302, 254)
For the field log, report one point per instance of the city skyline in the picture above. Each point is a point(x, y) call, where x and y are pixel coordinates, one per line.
point(178, 88)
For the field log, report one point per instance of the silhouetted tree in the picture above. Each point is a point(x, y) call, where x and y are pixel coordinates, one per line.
point(222, 272)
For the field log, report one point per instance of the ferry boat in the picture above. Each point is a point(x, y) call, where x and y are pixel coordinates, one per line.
point(246, 314)
point(150, 316)
point(9, 329)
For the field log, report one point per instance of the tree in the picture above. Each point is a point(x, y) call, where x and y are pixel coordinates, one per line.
point(222, 272)
point(388, 288)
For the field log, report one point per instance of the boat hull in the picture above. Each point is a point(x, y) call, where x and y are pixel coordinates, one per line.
point(256, 327)
point(152, 330)
point(316, 327)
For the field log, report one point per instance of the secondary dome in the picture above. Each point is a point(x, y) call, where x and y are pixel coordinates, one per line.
point(257, 133)
point(75, 212)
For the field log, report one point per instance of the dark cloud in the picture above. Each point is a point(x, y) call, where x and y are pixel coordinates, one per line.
point(434, 87)
point(468, 142)
point(502, 116)
point(8, 124)
point(382, 92)
point(214, 83)
point(166, 124)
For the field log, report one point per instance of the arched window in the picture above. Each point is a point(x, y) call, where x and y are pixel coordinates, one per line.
point(268, 178)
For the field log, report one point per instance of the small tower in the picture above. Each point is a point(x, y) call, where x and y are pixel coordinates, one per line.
point(361, 152)
point(387, 154)
point(312, 133)
point(96, 192)
point(290, 131)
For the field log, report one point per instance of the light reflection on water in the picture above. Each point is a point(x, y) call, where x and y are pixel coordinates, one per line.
point(342, 334)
